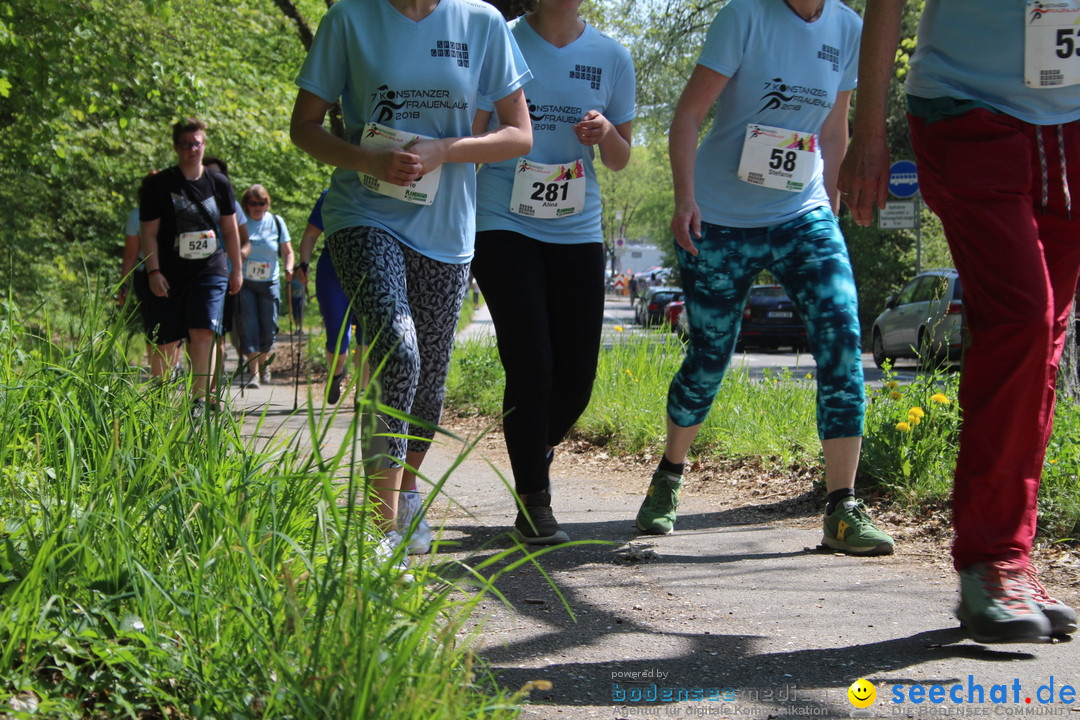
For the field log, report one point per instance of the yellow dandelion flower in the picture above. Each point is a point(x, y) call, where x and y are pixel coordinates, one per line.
point(903, 427)
point(892, 385)
point(809, 376)
point(618, 328)
point(914, 420)
point(895, 396)
point(1053, 461)
point(940, 398)
point(918, 411)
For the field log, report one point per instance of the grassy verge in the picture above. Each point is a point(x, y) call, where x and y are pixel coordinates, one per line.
point(910, 433)
point(154, 566)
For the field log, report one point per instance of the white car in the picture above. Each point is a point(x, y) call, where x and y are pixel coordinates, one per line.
point(924, 321)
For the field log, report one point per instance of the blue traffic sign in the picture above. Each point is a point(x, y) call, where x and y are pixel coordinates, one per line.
point(903, 180)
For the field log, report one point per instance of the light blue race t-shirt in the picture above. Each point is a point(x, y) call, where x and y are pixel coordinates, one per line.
point(419, 77)
point(267, 237)
point(592, 73)
point(974, 50)
point(784, 72)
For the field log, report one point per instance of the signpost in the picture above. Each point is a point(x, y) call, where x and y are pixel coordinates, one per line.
point(903, 184)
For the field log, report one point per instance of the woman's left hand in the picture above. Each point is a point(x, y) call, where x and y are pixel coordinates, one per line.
point(592, 128)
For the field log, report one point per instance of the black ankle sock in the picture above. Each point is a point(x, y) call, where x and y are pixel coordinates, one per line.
point(670, 467)
point(836, 497)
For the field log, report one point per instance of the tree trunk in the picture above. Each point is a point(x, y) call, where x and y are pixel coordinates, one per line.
point(288, 7)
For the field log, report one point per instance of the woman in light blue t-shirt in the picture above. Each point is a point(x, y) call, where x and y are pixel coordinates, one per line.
point(759, 193)
point(539, 243)
point(400, 212)
point(260, 297)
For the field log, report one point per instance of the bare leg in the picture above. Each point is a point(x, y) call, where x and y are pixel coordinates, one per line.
point(679, 440)
point(841, 462)
point(201, 351)
point(163, 358)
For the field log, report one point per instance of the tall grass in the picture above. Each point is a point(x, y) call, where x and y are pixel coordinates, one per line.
point(910, 435)
point(153, 566)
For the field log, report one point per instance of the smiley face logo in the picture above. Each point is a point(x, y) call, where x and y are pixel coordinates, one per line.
point(862, 693)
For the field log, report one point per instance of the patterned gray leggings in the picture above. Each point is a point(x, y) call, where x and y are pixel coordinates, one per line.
point(408, 305)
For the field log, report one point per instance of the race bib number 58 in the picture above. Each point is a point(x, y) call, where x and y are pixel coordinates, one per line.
point(777, 158)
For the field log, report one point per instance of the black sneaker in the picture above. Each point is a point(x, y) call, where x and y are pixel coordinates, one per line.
point(333, 393)
point(537, 525)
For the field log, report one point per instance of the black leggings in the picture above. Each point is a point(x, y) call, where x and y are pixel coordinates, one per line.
point(547, 304)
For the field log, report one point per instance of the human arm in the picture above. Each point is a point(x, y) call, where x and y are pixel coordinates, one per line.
point(287, 259)
point(864, 174)
point(512, 137)
point(230, 235)
point(701, 91)
point(834, 140)
point(613, 140)
point(307, 247)
point(127, 264)
point(148, 239)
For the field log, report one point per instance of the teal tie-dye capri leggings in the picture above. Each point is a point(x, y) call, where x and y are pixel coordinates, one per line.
point(809, 258)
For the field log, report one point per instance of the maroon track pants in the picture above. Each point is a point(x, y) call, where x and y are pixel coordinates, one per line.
point(1018, 262)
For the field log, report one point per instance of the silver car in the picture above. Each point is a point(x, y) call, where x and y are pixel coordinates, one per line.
point(924, 321)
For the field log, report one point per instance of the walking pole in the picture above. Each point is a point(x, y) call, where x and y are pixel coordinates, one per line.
point(299, 350)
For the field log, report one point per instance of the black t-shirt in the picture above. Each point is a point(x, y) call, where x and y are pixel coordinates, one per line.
point(185, 228)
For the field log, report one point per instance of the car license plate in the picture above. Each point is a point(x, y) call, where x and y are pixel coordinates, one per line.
point(779, 314)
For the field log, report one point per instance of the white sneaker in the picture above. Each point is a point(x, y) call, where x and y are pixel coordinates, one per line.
point(388, 555)
point(411, 505)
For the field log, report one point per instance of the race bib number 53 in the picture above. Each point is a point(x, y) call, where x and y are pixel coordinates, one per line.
point(1052, 43)
point(777, 158)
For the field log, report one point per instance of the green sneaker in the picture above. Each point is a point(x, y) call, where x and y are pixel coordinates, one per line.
point(997, 606)
point(657, 513)
point(849, 529)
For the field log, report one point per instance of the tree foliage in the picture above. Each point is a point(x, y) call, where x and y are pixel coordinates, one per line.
point(89, 92)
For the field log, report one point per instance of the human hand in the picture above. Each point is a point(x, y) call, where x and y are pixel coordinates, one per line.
point(236, 281)
point(864, 178)
point(432, 154)
point(397, 166)
point(592, 128)
point(686, 225)
point(159, 286)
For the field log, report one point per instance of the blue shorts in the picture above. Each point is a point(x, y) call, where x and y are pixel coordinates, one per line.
point(194, 305)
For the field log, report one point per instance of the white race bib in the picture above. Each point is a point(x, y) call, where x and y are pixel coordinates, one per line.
point(257, 270)
point(777, 158)
point(421, 191)
point(1051, 43)
point(196, 245)
point(548, 191)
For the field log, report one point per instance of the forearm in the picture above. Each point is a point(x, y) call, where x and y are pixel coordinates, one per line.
point(682, 149)
point(501, 143)
point(615, 147)
point(877, 60)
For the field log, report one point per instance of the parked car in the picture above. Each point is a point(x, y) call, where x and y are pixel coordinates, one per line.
point(649, 308)
point(924, 321)
point(672, 313)
point(770, 320)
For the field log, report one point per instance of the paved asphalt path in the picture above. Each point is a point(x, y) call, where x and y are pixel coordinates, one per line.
point(730, 616)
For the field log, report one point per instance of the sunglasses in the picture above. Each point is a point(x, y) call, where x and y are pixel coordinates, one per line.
point(190, 145)
point(258, 203)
